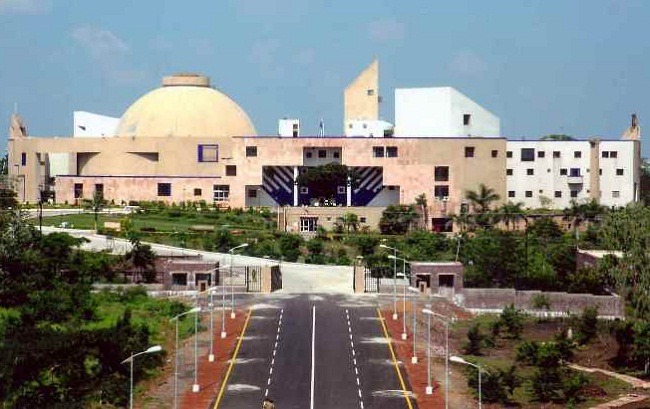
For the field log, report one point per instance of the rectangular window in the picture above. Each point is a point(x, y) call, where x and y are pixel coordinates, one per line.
point(605, 154)
point(308, 155)
point(558, 194)
point(441, 191)
point(508, 154)
point(164, 189)
point(304, 190)
point(563, 172)
point(378, 151)
point(308, 224)
point(441, 173)
point(78, 190)
point(600, 171)
point(198, 192)
point(613, 154)
point(469, 151)
point(508, 172)
point(322, 153)
point(574, 172)
point(23, 159)
point(527, 154)
point(221, 193)
point(574, 194)
point(391, 151)
point(530, 172)
point(99, 188)
point(556, 154)
point(208, 153)
point(336, 155)
point(495, 153)
point(251, 151)
point(231, 170)
point(529, 193)
point(511, 193)
point(577, 154)
point(340, 190)
point(370, 92)
point(541, 154)
point(619, 172)
point(362, 219)
point(252, 193)
point(616, 194)
point(467, 119)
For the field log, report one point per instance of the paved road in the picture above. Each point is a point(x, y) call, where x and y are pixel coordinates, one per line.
point(315, 351)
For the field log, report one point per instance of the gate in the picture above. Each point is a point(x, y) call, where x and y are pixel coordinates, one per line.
point(371, 281)
point(253, 279)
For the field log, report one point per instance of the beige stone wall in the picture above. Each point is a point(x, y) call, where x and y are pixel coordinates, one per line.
point(358, 101)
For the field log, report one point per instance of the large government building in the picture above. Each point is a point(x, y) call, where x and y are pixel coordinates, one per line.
point(186, 141)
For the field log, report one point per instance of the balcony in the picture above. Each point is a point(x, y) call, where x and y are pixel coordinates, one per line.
point(575, 180)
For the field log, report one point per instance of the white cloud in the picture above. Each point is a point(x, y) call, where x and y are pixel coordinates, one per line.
point(386, 30)
point(99, 43)
point(25, 6)
point(466, 62)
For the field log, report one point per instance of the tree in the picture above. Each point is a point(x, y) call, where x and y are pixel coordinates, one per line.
point(511, 213)
point(481, 200)
point(323, 181)
point(512, 320)
point(142, 257)
point(397, 219)
point(289, 245)
point(351, 221)
point(96, 204)
point(475, 340)
point(421, 201)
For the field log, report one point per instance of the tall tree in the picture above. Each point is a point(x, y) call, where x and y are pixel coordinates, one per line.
point(481, 201)
point(142, 257)
point(421, 201)
point(511, 213)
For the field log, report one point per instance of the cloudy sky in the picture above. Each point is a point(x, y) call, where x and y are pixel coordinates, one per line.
point(542, 66)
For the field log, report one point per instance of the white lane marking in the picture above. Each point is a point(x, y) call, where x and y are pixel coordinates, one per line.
point(275, 350)
point(354, 360)
point(313, 354)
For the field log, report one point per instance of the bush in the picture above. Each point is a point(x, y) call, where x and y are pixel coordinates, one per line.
point(496, 385)
point(527, 352)
point(587, 326)
point(474, 340)
point(512, 320)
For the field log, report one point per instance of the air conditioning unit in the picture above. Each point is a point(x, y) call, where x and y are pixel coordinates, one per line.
point(445, 198)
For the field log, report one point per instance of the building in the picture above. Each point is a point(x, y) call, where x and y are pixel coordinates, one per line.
point(186, 141)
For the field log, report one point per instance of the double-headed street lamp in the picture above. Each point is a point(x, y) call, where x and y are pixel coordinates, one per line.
point(429, 313)
point(232, 285)
point(155, 348)
point(404, 336)
point(394, 278)
point(414, 308)
point(446, 321)
point(460, 360)
point(194, 310)
point(211, 290)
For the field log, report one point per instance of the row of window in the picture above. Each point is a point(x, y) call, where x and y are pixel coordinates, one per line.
point(528, 154)
point(322, 153)
point(563, 171)
point(558, 193)
point(221, 193)
point(470, 150)
point(384, 151)
point(310, 223)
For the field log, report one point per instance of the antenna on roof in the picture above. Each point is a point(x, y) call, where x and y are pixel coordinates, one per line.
point(321, 128)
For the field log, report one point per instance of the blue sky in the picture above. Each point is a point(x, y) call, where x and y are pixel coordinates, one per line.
point(546, 66)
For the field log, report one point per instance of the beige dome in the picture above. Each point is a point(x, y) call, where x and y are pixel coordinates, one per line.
point(185, 106)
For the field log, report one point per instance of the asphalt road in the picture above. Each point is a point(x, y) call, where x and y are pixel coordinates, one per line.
point(315, 351)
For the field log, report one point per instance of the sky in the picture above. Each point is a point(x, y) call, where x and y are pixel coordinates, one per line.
point(542, 66)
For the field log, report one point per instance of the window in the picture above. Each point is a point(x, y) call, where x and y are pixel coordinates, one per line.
point(574, 172)
point(231, 170)
point(495, 153)
point(252, 193)
point(441, 191)
point(391, 151)
point(251, 151)
point(198, 191)
point(164, 189)
point(23, 159)
point(619, 172)
point(304, 190)
point(574, 193)
point(467, 119)
point(511, 193)
point(362, 219)
point(308, 155)
point(563, 172)
point(508, 154)
point(308, 224)
point(527, 154)
point(336, 155)
point(508, 172)
point(616, 194)
point(530, 172)
point(99, 189)
point(208, 153)
point(605, 154)
point(541, 154)
point(221, 193)
point(469, 151)
point(600, 171)
point(370, 92)
point(340, 190)
point(558, 194)
point(441, 173)
point(556, 154)
point(613, 154)
point(378, 151)
point(577, 154)
point(78, 190)
point(322, 153)
point(529, 193)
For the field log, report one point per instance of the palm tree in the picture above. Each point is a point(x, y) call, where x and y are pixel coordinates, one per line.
point(511, 213)
point(482, 198)
point(421, 201)
point(582, 212)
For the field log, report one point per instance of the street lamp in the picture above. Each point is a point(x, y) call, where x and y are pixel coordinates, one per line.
point(460, 360)
point(404, 336)
point(150, 350)
point(232, 286)
point(414, 358)
point(176, 318)
point(394, 278)
point(429, 388)
point(211, 290)
point(446, 320)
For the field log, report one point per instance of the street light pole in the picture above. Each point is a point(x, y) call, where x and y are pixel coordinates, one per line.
point(155, 348)
point(460, 360)
point(414, 308)
point(394, 277)
point(232, 285)
point(404, 335)
point(195, 386)
point(176, 318)
point(429, 388)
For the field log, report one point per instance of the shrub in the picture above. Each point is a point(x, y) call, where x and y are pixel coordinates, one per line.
point(512, 320)
point(527, 352)
point(496, 385)
point(587, 325)
point(474, 340)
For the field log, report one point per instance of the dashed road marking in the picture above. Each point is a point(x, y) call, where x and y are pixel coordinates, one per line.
point(275, 350)
point(354, 359)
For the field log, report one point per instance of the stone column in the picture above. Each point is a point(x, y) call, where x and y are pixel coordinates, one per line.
point(295, 185)
point(348, 192)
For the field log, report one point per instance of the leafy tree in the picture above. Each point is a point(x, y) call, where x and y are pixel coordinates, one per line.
point(315, 248)
point(511, 213)
point(364, 243)
point(497, 385)
point(421, 202)
point(494, 258)
point(96, 204)
point(397, 219)
point(289, 245)
point(512, 320)
point(475, 340)
point(481, 201)
point(142, 257)
point(641, 344)
point(351, 221)
point(322, 181)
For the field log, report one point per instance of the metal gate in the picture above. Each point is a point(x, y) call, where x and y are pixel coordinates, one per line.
point(371, 281)
point(253, 279)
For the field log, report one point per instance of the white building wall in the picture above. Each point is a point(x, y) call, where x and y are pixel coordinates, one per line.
point(59, 164)
point(87, 124)
point(440, 111)
point(367, 128)
point(547, 177)
point(616, 189)
point(289, 128)
point(386, 197)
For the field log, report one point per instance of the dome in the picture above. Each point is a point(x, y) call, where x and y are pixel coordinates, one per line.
point(185, 106)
